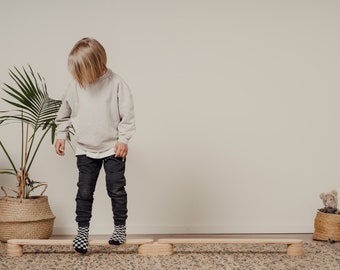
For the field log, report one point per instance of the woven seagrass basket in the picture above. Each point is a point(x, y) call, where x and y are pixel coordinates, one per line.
point(327, 227)
point(25, 219)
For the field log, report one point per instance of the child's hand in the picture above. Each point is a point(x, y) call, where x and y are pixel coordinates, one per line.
point(60, 147)
point(121, 149)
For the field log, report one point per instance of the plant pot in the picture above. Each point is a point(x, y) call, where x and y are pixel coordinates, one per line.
point(327, 227)
point(25, 219)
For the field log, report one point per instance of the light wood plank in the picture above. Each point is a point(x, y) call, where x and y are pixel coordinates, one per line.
point(227, 241)
point(155, 249)
point(294, 246)
point(68, 242)
point(15, 246)
point(163, 246)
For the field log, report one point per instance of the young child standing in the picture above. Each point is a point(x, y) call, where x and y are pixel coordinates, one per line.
point(99, 106)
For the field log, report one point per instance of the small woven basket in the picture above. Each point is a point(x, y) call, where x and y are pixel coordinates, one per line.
point(327, 227)
point(25, 219)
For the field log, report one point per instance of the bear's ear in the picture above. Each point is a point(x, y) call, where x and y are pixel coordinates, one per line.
point(334, 192)
point(322, 196)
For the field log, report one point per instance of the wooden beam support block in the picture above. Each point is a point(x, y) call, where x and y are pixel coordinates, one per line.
point(15, 246)
point(14, 250)
point(295, 249)
point(294, 246)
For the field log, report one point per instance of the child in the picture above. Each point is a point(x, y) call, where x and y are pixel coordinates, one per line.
point(99, 106)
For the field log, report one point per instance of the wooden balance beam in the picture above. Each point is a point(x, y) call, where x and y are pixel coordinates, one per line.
point(165, 246)
point(160, 247)
point(15, 246)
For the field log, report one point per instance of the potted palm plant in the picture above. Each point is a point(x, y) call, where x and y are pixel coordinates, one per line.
point(23, 215)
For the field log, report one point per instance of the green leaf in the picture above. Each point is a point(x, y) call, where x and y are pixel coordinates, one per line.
point(7, 171)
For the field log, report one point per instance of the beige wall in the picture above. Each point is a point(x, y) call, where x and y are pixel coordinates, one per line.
point(237, 106)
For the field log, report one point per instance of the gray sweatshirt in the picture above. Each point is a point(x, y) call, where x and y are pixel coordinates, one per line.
point(101, 114)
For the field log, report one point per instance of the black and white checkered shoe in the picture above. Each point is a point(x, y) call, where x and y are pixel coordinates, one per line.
point(81, 241)
point(119, 235)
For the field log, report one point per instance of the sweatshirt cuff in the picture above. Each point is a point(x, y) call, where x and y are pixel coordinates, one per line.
point(61, 136)
point(123, 140)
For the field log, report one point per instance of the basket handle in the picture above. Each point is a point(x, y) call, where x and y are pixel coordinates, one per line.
point(40, 185)
point(3, 188)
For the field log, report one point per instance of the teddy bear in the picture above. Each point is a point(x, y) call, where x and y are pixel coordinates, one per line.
point(330, 202)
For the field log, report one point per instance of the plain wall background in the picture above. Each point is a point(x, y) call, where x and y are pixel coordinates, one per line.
point(237, 107)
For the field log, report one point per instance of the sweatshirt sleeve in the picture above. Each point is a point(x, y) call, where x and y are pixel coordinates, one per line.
point(63, 120)
point(126, 126)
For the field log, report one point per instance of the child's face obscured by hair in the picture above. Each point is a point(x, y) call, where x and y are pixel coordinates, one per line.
point(87, 61)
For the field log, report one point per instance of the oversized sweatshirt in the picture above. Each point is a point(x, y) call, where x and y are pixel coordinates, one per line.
point(101, 114)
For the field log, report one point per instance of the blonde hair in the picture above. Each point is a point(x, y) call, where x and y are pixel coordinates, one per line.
point(87, 61)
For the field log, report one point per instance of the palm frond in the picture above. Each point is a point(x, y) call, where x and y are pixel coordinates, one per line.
point(8, 157)
point(33, 107)
point(30, 96)
point(7, 171)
